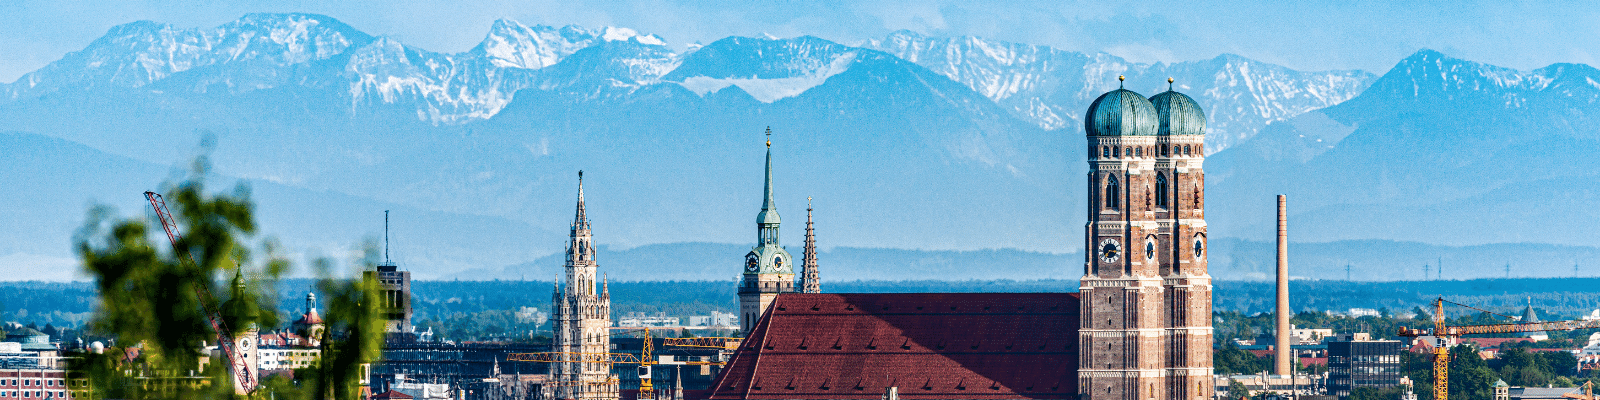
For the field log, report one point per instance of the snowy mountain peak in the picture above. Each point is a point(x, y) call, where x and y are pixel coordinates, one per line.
point(511, 44)
point(1050, 87)
point(616, 34)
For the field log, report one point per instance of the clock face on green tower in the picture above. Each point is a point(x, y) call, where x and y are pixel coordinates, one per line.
point(752, 264)
point(777, 263)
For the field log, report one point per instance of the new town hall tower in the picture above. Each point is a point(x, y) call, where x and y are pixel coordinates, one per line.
point(1145, 331)
point(581, 320)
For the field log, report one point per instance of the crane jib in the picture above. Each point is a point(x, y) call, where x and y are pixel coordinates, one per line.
point(243, 381)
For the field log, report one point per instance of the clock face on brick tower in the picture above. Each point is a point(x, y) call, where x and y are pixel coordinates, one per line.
point(1110, 251)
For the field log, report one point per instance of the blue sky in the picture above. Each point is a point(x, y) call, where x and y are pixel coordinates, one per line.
point(1368, 35)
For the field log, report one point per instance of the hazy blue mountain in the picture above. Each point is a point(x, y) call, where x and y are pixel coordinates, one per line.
point(709, 262)
point(55, 182)
point(1051, 87)
point(956, 144)
point(1439, 149)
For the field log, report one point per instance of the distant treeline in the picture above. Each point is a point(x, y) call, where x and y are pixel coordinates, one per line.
point(69, 303)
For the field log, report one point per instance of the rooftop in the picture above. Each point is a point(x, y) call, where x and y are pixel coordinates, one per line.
point(930, 345)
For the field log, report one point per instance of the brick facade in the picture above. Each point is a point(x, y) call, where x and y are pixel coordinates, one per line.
point(1146, 295)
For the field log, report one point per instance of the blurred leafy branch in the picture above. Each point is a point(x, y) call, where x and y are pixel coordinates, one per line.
point(150, 307)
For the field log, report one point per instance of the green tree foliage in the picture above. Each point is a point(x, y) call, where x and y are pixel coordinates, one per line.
point(1237, 390)
point(1369, 393)
point(149, 306)
point(1470, 376)
point(1231, 360)
point(1418, 367)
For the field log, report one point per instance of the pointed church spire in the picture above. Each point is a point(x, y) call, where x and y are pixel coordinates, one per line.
point(769, 205)
point(677, 384)
point(810, 282)
point(581, 221)
point(767, 221)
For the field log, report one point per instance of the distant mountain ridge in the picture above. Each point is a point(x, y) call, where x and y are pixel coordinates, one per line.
point(1038, 84)
point(945, 144)
point(1456, 151)
point(1051, 87)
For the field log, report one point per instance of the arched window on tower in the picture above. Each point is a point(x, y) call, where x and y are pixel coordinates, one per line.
point(1112, 193)
point(1138, 152)
point(1116, 152)
point(1186, 150)
point(1161, 190)
point(1105, 151)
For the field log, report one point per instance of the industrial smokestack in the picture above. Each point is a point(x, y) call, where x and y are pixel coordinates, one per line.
point(1282, 350)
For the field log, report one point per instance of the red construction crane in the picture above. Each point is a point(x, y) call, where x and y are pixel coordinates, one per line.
point(243, 381)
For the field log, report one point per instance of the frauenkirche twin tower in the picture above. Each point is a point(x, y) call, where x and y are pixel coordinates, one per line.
point(1145, 294)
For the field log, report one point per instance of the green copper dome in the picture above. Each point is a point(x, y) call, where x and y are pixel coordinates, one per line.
point(1177, 114)
point(1120, 112)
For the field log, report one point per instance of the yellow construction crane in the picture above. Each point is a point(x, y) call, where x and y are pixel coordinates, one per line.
point(1588, 392)
point(1441, 353)
point(719, 343)
point(645, 358)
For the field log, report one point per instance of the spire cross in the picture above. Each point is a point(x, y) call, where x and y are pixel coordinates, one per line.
point(769, 137)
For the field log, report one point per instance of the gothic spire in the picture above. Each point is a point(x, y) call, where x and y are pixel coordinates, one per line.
point(810, 282)
point(581, 221)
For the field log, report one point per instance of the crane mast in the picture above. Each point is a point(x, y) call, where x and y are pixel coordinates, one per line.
point(1441, 353)
point(243, 383)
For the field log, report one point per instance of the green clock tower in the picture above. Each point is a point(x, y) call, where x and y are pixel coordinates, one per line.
point(768, 268)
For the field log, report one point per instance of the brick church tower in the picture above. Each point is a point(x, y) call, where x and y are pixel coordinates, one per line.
point(1146, 296)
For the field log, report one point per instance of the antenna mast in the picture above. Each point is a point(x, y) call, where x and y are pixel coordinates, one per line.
point(386, 259)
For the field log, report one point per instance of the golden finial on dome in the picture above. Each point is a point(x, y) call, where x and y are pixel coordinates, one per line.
point(1169, 84)
point(1119, 81)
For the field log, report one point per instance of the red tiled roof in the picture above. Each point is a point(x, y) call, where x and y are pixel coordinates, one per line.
point(930, 345)
point(1313, 361)
point(1494, 342)
point(391, 394)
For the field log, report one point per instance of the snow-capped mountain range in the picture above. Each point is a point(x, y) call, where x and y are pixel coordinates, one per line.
point(1052, 87)
point(1044, 86)
point(906, 142)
